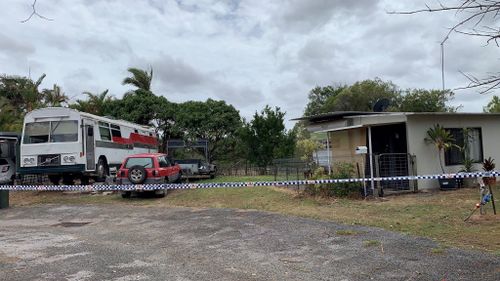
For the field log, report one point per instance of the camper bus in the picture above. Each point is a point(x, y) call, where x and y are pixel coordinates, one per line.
point(65, 143)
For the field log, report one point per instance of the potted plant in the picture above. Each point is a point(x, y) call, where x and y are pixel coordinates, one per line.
point(442, 140)
point(489, 166)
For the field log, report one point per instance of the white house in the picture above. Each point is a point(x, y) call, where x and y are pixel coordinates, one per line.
point(397, 141)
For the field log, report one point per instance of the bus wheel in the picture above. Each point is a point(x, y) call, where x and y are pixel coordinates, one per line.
point(102, 170)
point(54, 179)
point(68, 180)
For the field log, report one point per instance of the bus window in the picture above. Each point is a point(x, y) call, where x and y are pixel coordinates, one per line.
point(104, 131)
point(64, 131)
point(115, 131)
point(36, 132)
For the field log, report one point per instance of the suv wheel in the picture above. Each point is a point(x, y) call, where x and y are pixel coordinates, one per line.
point(137, 174)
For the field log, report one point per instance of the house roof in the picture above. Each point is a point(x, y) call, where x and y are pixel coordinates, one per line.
point(336, 115)
point(333, 116)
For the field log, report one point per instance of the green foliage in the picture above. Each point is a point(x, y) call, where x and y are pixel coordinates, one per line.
point(212, 120)
point(493, 106)
point(54, 97)
point(341, 170)
point(305, 149)
point(266, 138)
point(139, 107)
point(361, 96)
point(420, 100)
point(139, 78)
point(98, 104)
point(318, 96)
point(441, 139)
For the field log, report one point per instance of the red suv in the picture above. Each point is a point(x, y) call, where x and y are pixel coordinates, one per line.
point(148, 168)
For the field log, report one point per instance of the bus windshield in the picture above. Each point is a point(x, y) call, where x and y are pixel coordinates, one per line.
point(54, 131)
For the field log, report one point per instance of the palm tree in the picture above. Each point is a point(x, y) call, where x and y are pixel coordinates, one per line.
point(54, 97)
point(98, 102)
point(140, 79)
point(95, 103)
point(442, 140)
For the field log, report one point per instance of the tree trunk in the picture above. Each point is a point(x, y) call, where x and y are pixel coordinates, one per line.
point(441, 160)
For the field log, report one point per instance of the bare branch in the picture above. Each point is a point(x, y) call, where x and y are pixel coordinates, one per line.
point(484, 85)
point(35, 13)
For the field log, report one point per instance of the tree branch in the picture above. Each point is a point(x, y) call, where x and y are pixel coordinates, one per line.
point(35, 13)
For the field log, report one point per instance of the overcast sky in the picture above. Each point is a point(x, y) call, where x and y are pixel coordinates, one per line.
point(249, 53)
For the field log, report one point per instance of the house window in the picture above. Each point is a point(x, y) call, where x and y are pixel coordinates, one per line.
point(469, 142)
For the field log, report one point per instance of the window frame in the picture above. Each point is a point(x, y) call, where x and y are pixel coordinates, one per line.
point(453, 151)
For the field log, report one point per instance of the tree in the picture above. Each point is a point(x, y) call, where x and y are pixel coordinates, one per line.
point(441, 139)
point(97, 104)
point(361, 96)
point(493, 106)
point(166, 121)
point(266, 138)
point(140, 79)
point(139, 107)
point(214, 121)
point(22, 92)
point(477, 18)
point(54, 97)
point(420, 100)
point(305, 149)
point(10, 120)
point(318, 96)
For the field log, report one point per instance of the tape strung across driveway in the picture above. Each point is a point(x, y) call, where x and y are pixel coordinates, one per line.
point(139, 187)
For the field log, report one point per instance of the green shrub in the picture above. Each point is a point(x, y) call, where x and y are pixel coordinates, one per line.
point(341, 170)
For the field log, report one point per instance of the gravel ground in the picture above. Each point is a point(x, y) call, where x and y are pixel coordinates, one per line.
point(111, 242)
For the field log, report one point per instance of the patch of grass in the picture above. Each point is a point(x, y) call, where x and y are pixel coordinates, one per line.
point(347, 232)
point(371, 243)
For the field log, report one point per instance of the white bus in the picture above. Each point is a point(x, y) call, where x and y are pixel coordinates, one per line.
point(65, 143)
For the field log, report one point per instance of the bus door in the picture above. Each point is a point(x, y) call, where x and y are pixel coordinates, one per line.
point(88, 128)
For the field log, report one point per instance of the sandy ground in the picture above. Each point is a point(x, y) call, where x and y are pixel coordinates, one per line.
point(119, 242)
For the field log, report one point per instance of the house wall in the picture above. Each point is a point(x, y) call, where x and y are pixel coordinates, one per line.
point(343, 145)
point(426, 154)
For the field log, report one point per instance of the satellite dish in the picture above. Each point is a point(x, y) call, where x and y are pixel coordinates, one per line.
point(381, 105)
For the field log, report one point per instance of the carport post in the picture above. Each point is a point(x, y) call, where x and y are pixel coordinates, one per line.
point(328, 153)
point(370, 153)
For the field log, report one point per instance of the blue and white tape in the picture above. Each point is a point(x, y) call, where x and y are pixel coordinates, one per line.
point(146, 187)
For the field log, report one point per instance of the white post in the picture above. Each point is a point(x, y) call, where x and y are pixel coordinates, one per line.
point(370, 154)
point(328, 153)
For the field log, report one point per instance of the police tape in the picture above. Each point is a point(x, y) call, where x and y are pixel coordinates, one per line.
point(149, 187)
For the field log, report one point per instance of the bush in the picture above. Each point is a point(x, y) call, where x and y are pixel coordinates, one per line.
point(341, 170)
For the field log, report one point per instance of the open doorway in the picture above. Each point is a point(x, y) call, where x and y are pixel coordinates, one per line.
point(390, 152)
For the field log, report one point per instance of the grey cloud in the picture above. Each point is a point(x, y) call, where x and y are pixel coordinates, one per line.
point(107, 49)
point(176, 73)
point(16, 47)
point(305, 15)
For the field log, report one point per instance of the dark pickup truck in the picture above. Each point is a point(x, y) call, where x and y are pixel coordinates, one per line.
point(196, 168)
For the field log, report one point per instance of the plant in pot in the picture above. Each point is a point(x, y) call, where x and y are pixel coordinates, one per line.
point(442, 140)
point(489, 166)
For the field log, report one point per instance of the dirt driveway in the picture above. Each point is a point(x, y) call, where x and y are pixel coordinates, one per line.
point(117, 242)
